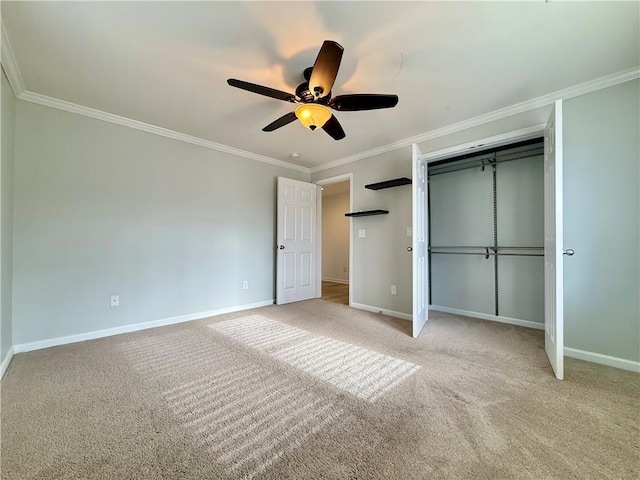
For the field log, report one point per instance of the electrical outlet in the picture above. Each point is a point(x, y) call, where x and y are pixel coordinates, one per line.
point(394, 290)
point(362, 233)
point(115, 300)
point(245, 285)
point(409, 231)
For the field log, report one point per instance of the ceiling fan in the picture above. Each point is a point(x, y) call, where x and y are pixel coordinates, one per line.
point(314, 95)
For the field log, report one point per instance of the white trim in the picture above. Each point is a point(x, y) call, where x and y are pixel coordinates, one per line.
point(603, 359)
point(5, 362)
point(10, 64)
point(515, 136)
point(383, 311)
point(318, 241)
point(336, 179)
point(108, 332)
point(518, 108)
point(486, 316)
point(335, 280)
point(153, 129)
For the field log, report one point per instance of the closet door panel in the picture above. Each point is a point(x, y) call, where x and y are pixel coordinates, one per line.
point(520, 207)
point(521, 288)
point(463, 282)
point(461, 208)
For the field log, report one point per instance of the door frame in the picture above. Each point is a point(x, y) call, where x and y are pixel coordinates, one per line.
point(536, 131)
point(327, 181)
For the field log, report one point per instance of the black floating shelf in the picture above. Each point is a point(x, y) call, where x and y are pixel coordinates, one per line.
point(366, 213)
point(396, 182)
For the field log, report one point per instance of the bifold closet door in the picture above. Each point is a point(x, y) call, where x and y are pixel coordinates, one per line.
point(520, 219)
point(461, 214)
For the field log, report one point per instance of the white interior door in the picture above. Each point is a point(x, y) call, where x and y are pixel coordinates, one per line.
point(420, 187)
point(297, 245)
point(553, 242)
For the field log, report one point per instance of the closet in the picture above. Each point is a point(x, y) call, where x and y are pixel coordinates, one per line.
point(486, 234)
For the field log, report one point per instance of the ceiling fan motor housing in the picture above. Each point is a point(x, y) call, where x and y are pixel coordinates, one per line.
point(305, 95)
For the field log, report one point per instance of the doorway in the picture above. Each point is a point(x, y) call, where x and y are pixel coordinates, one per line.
point(334, 232)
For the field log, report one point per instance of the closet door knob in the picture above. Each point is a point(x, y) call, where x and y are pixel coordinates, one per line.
point(281, 247)
point(409, 249)
point(569, 252)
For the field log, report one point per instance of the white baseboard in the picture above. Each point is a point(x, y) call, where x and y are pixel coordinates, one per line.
point(390, 313)
point(487, 316)
point(108, 332)
point(568, 351)
point(603, 359)
point(335, 280)
point(5, 362)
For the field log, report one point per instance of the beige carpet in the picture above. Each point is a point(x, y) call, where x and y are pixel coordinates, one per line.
point(316, 390)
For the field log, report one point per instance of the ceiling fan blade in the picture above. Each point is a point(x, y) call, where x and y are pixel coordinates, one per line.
point(261, 90)
point(281, 122)
point(333, 128)
point(325, 69)
point(364, 101)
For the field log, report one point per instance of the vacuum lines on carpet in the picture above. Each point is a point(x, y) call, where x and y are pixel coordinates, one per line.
point(359, 371)
point(245, 414)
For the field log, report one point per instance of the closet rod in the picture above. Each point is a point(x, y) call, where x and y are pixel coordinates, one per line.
point(488, 254)
point(485, 247)
point(478, 163)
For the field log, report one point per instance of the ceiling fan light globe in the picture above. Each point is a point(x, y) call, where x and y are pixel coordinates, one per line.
point(313, 115)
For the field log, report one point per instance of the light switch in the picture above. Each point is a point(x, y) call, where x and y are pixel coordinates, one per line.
point(362, 233)
point(409, 231)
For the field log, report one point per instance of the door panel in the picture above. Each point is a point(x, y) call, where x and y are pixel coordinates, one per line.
point(553, 242)
point(420, 236)
point(297, 246)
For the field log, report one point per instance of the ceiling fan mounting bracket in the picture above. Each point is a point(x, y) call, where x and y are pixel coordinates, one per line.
point(307, 73)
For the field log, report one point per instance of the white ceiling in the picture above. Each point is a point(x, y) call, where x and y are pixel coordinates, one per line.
point(166, 63)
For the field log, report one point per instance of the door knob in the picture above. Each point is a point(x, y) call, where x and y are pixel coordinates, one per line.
point(569, 252)
point(281, 247)
point(409, 249)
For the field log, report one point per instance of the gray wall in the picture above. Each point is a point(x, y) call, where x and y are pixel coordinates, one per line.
point(335, 237)
point(6, 228)
point(602, 221)
point(101, 209)
point(461, 209)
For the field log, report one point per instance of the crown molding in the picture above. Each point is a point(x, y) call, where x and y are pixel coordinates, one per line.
point(14, 76)
point(10, 65)
point(543, 101)
point(153, 129)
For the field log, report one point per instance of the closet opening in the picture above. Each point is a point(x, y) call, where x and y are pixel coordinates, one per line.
point(486, 234)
